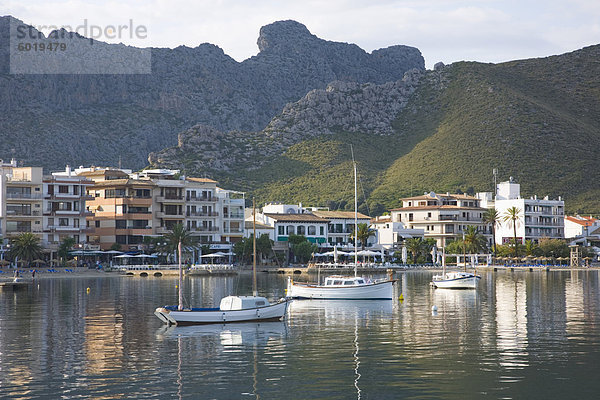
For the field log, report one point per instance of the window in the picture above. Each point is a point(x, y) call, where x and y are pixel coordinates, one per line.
point(121, 224)
point(322, 231)
point(63, 222)
point(75, 223)
point(301, 230)
point(75, 206)
point(280, 230)
point(97, 224)
point(428, 215)
point(75, 189)
point(312, 230)
point(63, 189)
point(410, 217)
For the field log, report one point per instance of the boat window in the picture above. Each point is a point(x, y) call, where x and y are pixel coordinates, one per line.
point(260, 303)
point(348, 283)
point(360, 281)
point(337, 282)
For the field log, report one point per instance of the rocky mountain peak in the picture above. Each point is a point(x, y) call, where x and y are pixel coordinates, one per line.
point(282, 35)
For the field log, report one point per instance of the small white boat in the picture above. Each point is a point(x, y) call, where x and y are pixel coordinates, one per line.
point(231, 309)
point(337, 287)
point(456, 280)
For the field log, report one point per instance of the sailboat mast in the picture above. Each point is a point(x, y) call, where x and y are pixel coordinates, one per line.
point(254, 286)
point(355, 220)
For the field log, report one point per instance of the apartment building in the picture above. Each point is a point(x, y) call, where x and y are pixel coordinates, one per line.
point(539, 218)
point(232, 204)
point(23, 203)
point(443, 217)
point(341, 225)
point(120, 207)
point(202, 217)
point(391, 235)
point(64, 207)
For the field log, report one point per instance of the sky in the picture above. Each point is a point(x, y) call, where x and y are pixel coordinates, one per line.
point(444, 30)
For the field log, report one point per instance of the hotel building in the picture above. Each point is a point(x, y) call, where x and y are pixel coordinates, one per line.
point(443, 217)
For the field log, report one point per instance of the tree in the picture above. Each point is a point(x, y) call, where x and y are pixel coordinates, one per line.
point(474, 241)
point(179, 237)
point(492, 218)
point(26, 246)
point(363, 234)
point(65, 246)
point(512, 216)
point(414, 246)
point(303, 251)
point(115, 246)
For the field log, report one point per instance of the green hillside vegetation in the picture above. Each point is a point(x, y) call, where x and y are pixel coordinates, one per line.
point(536, 120)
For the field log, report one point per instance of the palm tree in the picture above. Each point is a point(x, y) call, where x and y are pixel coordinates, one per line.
point(363, 234)
point(492, 218)
point(177, 238)
point(65, 246)
point(474, 241)
point(415, 246)
point(26, 246)
point(512, 216)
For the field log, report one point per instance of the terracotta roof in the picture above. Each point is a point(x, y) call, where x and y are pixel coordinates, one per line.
point(583, 221)
point(296, 218)
point(201, 180)
point(102, 172)
point(339, 214)
point(248, 225)
point(124, 182)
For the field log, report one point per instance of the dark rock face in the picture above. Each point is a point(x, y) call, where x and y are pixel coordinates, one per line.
point(97, 118)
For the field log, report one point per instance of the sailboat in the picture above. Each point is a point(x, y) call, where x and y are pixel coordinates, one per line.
point(455, 279)
point(339, 287)
point(231, 309)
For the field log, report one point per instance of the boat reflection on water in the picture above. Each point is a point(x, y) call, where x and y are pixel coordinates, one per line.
point(258, 333)
point(345, 313)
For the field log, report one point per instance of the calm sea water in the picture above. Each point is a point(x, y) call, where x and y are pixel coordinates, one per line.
point(520, 335)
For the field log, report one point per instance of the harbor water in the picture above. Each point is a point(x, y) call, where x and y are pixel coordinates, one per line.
point(521, 334)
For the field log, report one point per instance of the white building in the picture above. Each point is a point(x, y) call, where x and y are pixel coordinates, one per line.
point(443, 217)
point(539, 218)
point(391, 235)
point(580, 226)
point(341, 225)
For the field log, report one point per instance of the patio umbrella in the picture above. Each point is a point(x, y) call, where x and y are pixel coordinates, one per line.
point(38, 261)
point(4, 262)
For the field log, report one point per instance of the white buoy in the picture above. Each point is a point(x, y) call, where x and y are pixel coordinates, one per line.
point(434, 311)
point(433, 308)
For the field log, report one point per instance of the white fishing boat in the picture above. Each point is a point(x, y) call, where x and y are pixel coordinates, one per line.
point(337, 287)
point(455, 279)
point(231, 309)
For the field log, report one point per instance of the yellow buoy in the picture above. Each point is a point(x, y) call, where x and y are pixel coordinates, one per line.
point(87, 290)
point(401, 298)
point(176, 286)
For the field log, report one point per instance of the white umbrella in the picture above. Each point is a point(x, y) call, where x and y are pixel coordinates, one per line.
point(404, 255)
point(212, 255)
point(368, 253)
point(335, 255)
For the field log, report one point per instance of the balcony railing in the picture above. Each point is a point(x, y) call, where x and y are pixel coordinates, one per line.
point(235, 215)
point(202, 214)
point(29, 196)
point(448, 218)
point(232, 230)
point(201, 198)
point(205, 229)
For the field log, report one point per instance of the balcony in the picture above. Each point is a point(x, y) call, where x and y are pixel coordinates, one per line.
point(11, 214)
point(205, 229)
point(162, 214)
point(24, 196)
point(202, 214)
point(233, 230)
point(170, 199)
point(199, 199)
point(235, 215)
point(448, 218)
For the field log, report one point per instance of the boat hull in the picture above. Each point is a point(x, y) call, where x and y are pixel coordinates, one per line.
point(373, 291)
point(273, 312)
point(466, 282)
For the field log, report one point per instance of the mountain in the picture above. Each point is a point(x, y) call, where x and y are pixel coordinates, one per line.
point(85, 116)
point(537, 120)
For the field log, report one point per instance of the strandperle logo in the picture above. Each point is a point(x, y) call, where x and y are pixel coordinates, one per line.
point(80, 49)
point(130, 30)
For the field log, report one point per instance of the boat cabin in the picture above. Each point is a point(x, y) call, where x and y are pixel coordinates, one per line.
point(242, 302)
point(341, 281)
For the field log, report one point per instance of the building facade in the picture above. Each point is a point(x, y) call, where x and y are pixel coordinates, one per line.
point(538, 218)
point(64, 208)
point(443, 217)
point(341, 225)
point(391, 235)
point(23, 202)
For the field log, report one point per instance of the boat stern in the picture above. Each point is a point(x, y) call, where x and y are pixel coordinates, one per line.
point(165, 316)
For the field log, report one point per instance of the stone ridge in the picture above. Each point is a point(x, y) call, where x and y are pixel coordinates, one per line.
point(138, 114)
point(341, 106)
